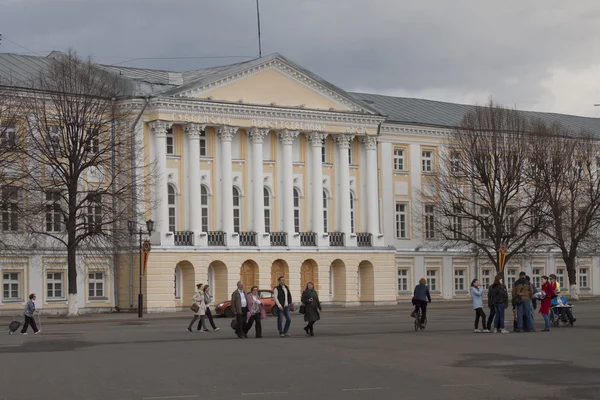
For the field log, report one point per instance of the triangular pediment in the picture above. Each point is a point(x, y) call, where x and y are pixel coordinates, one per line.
point(270, 81)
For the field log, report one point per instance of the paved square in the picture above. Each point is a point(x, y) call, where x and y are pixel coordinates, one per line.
point(356, 354)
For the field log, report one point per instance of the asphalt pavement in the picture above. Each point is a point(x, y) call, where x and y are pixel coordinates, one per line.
point(355, 354)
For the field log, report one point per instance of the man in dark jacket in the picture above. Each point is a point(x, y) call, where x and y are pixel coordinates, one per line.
point(420, 299)
point(239, 303)
point(492, 307)
point(522, 294)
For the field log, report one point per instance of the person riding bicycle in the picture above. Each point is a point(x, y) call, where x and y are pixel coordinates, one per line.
point(420, 299)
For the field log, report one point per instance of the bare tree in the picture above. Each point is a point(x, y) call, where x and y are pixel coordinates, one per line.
point(79, 182)
point(485, 198)
point(566, 169)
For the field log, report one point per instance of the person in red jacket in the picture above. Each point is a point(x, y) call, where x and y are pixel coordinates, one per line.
point(548, 290)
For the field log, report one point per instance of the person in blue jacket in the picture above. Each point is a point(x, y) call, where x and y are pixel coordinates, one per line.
point(420, 299)
point(477, 297)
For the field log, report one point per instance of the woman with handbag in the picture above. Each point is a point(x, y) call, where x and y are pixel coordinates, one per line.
point(198, 307)
point(546, 299)
point(311, 307)
point(256, 312)
point(207, 301)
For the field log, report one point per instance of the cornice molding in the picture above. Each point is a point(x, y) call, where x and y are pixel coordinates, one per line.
point(408, 130)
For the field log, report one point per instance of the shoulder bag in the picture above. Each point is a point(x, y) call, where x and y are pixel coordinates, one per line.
point(195, 307)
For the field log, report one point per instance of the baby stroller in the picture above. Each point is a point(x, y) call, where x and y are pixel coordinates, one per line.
point(561, 312)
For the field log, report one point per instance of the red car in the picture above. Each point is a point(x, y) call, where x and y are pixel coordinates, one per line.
point(266, 296)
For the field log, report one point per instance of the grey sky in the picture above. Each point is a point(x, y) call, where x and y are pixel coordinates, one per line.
point(536, 54)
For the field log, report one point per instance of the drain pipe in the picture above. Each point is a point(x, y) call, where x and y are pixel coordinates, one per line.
point(134, 195)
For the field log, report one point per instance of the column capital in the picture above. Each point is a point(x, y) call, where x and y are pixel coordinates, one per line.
point(159, 127)
point(287, 137)
point(316, 138)
point(193, 130)
point(370, 142)
point(343, 141)
point(226, 132)
point(258, 134)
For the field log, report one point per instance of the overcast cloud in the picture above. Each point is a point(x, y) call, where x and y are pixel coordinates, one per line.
point(536, 55)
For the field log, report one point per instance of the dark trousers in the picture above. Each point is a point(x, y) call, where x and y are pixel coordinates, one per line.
point(241, 322)
point(258, 327)
point(210, 319)
point(310, 327)
point(423, 306)
point(29, 321)
point(491, 317)
point(479, 313)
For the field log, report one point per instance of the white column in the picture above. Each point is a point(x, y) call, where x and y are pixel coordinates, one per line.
point(225, 133)
point(370, 144)
point(159, 129)
point(287, 181)
point(257, 135)
point(343, 144)
point(193, 132)
point(316, 141)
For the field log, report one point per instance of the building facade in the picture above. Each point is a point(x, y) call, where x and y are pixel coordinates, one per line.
point(266, 170)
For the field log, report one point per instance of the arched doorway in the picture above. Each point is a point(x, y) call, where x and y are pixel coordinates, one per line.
point(217, 280)
point(366, 281)
point(249, 274)
point(184, 281)
point(279, 268)
point(337, 281)
point(309, 273)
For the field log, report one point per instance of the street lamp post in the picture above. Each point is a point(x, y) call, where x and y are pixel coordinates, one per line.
point(132, 225)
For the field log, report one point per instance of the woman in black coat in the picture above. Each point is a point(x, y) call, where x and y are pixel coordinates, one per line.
point(312, 305)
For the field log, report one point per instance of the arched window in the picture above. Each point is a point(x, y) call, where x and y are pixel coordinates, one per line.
point(204, 207)
point(267, 204)
point(177, 282)
point(237, 210)
point(325, 212)
point(352, 214)
point(172, 209)
point(296, 210)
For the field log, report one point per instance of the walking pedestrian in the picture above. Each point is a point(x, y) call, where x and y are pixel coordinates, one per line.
point(239, 302)
point(28, 313)
point(548, 292)
point(207, 301)
point(522, 294)
point(201, 310)
point(500, 298)
point(477, 298)
point(256, 313)
point(283, 299)
point(312, 306)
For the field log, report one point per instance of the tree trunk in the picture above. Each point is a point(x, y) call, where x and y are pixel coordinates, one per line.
point(572, 272)
point(72, 252)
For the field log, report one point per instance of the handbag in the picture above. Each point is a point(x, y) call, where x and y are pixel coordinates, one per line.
point(195, 307)
point(234, 324)
point(516, 300)
point(302, 309)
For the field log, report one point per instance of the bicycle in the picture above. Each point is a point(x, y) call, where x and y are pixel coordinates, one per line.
point(418, 324)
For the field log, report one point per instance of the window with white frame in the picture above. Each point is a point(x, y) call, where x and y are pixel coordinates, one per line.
point(351, 153)
point(352, 214)
point(54, 217)
point(94, 213)
point(401, 221)
point(560, 277)
point(324, 152)
point(10, 209)
point(432, 279)
point(485, 216)
point(55, 285)
point(172, 204)
point(296, 210)
point(325, 212)
point(8, 138)
point(177, 282)
point(455, 162)
point(203, 144)
point(93, 141)
point(536, 277)
point(204, 208)
point(511, 277)
point(170, 142)
point(11, 285)
point(399, 160)
point(237, 210)
point(96, 285)
point(486, 278)
point(510, 227)
point(403, 280)
point(267, 201)
point(584, 281)
point(53, 137)
point(457, 224)
point(429, 222)
point(427, 160)
point(459, 280)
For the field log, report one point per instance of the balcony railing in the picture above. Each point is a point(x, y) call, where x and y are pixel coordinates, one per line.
point(216, 238)
point(308, 239)
point(247, 238)
point(336, 239)
point(364, 239)
point(184, 238)
point(278, 238)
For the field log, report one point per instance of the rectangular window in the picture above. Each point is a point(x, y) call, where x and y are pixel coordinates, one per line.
point(93, 141)
point(427, 160)
point(10, 209)
point(53, 212)
point(399, 160)
point(429, 222)
point(584, 278)
point(8, 139)
point(94, 213)
point(432, 280)
point(560, 277)
point(511, 277)
point(403, 280)
point(536, 277)
point(351, 154)
point(11, 284)
point(485, 217)
point(53, 137)
point(457, 224)
point(55, 285)
point(459, 280)
point(509, 222)
point(170, 142)
point(324, 152)
point(401, 221)
point(486, 278)
point(203, 144)
point(96, 284)
point(455, 162)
